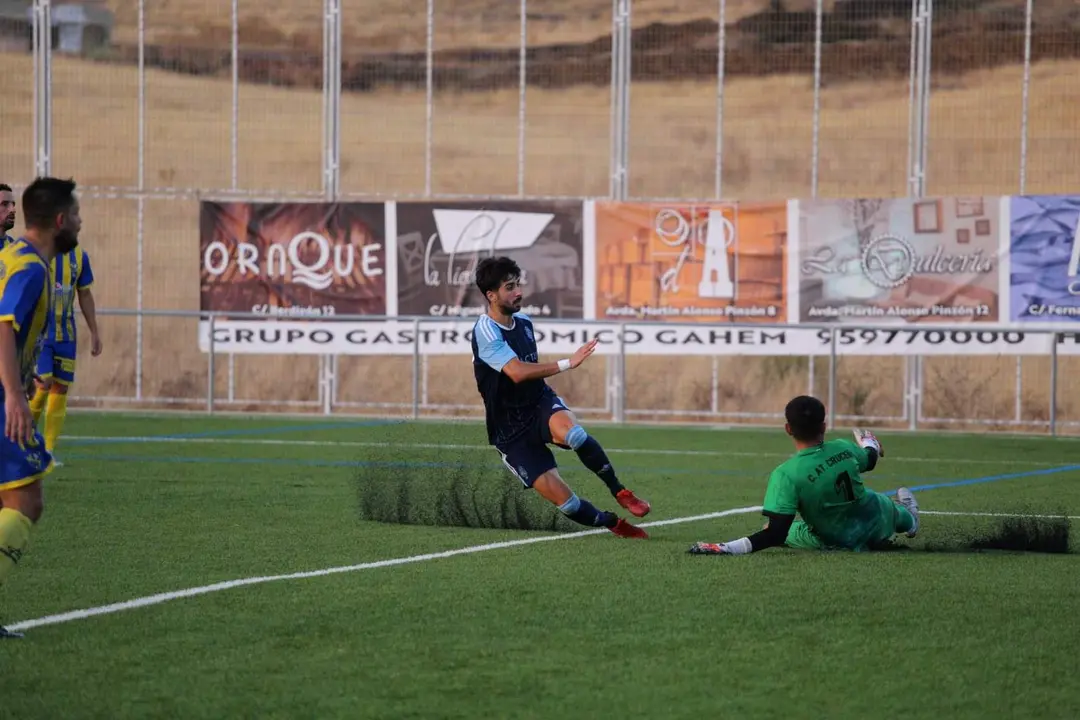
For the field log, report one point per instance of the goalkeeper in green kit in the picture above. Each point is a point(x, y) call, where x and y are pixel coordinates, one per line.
point(822, 482)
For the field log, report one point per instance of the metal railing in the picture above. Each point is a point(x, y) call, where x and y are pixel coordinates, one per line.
point(618, 389)
point(640, 102)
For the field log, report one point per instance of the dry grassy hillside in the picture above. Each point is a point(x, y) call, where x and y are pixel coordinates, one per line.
point(394, 26)
point(767, 142)
point(476, 42)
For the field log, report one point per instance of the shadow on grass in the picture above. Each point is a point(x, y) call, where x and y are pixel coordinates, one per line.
point(1027, 533)
point(454, 496)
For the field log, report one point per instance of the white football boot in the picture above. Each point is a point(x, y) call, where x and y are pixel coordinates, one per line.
point(907, 499)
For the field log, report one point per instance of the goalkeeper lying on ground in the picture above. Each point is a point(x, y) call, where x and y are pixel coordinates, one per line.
point(822, 483)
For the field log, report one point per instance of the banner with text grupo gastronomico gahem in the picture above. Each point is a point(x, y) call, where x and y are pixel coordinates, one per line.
point(443, 336)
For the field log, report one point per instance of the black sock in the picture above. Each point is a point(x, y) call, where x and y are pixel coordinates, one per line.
point(593, 457)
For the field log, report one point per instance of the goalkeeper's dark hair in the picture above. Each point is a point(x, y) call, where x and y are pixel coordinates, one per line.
point(44, 199)
point(492, 272)
point(805, 416)
point(4, 187)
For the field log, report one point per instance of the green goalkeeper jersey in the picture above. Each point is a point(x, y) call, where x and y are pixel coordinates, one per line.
point(823, 485)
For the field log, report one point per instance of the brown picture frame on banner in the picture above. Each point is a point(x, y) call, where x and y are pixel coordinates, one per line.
point(927, 217)
point(969, 207)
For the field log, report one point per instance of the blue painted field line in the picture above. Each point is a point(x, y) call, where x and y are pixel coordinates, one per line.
point(267, 461)
point(993, 478)
point(239, 432)
point(338, 425)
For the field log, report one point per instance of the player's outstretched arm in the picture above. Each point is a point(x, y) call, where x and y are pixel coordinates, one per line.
point(871, 445)
point(773, 535)
point(781, 504)
point(497, 354)
point(519, 371)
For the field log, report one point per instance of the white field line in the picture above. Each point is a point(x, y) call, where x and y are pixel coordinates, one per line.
point(995, 515)
point(392, 562)
point(436, 419)
point(472, 549)
point(108, 440)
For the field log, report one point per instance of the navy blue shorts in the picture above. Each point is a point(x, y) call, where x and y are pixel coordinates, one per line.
point(528, 457)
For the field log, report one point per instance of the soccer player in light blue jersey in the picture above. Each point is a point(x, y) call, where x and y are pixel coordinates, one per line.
point(523, 415)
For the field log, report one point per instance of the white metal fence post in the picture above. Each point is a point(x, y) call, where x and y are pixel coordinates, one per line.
point(140, 210)
point(620, 98)
point(41, 14)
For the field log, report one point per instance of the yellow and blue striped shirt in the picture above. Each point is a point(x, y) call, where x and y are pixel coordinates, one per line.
point(26, 303)
point(71, 272)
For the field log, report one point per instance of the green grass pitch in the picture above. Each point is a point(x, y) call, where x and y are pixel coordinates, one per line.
point(518, 627)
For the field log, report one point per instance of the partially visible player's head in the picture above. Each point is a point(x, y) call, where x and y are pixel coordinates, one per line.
point(7, 208)
point(805, 417)
point(51, 211)
point(499, 278)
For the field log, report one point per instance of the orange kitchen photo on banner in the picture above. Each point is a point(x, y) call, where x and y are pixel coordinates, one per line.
point(715, 262)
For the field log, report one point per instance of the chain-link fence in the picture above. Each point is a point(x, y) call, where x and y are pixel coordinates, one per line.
point(338, 99)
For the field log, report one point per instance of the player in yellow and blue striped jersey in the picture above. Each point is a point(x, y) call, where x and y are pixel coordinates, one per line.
point(51, 214)
point(71, 276)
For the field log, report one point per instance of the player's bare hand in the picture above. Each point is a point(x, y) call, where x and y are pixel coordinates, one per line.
point(42, 383)
point(583, 352)
point(18, 422)
point(95, 345)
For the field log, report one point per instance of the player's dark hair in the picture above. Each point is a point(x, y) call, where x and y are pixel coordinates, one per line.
point(805, 415)
point(44, 199)
point(4, 187)
point(494, 271)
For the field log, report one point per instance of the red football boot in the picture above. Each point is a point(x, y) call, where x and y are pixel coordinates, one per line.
point(626, 530)
point(632, 503)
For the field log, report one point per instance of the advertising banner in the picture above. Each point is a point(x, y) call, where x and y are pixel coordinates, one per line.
point(714, 263)
point(292, 260)
point(1044, 259)
point(904, 261)
point(440, 244)
point(398, 337)
point(940, 276)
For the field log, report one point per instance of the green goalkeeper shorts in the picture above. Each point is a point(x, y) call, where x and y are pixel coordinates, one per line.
point(878, 529)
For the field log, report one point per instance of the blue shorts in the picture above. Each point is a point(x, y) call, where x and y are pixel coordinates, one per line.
point(528, 457)
point(23, 464)
point(57, 360)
